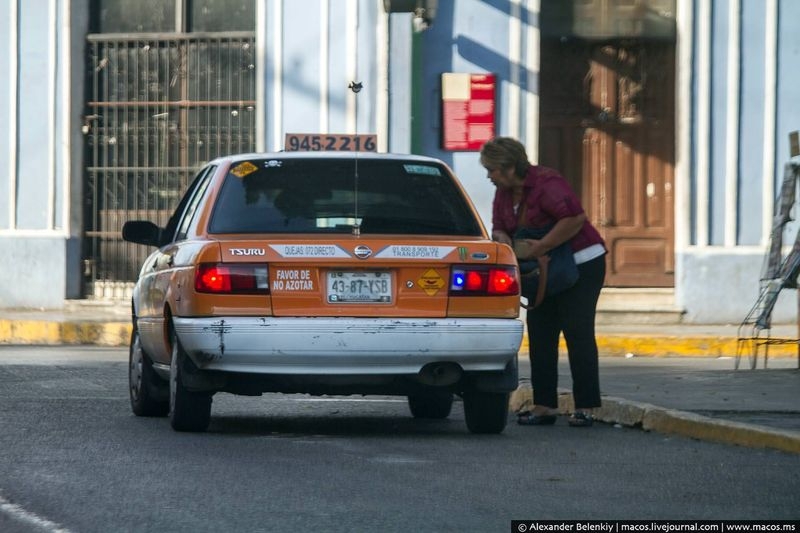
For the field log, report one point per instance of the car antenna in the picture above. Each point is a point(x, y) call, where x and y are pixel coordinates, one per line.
point(356, 88)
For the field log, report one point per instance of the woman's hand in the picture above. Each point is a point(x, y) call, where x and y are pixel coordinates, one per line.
point(526, 249)
point(502, 236)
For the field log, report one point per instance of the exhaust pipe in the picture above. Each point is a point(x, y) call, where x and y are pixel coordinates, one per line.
point(440, 374)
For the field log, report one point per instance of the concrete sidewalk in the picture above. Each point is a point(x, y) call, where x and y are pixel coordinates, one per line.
point(674, 379)
point(698, 397)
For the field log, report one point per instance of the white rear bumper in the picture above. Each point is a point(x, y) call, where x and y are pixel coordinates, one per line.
point(354, 346)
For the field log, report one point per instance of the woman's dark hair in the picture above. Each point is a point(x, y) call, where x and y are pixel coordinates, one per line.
point(505, 152)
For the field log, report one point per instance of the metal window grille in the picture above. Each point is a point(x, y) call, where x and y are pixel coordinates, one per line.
point(158, 107)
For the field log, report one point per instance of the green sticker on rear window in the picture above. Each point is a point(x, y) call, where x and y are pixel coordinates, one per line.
point(422, 169)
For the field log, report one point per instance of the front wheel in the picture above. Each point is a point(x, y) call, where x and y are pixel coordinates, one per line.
point(486, 412)
point(148, 392)
point(188, 410)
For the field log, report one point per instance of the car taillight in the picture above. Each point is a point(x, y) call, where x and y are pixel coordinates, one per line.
point(484, 280)
point(225, 278)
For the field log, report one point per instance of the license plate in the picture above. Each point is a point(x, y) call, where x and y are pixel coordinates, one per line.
point(359, 287)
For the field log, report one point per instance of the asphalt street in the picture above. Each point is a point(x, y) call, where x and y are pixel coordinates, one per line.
point(73, 457)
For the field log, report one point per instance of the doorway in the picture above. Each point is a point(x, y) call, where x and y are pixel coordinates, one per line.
point(607, 123)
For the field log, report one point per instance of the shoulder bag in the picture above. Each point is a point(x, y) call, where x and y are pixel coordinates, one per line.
point(547, 275)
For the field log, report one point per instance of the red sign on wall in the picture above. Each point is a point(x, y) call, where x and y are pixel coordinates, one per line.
point(468, 104)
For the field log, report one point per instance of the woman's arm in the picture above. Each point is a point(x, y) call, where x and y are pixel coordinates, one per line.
point(562, 231)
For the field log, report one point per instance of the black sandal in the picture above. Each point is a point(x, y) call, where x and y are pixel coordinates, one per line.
point(580, 419)
point(530, 419)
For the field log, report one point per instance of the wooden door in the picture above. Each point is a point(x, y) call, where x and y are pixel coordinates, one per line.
point(607, 123)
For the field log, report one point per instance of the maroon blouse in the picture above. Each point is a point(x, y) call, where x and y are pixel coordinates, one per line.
point(548, 198)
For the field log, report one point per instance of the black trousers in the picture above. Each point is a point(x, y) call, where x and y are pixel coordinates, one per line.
point(573, 313)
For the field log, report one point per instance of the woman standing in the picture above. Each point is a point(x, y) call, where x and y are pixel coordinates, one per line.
point(534, 196)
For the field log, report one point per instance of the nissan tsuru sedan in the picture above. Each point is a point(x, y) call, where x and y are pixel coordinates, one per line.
point(325, 274)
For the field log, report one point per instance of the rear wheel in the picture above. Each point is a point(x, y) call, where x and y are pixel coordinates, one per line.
point(148, 392)
point(188, 410)
point(432, 404)
point(486, 412)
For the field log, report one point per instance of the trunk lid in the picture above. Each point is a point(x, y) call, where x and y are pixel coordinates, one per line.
point(356, 276)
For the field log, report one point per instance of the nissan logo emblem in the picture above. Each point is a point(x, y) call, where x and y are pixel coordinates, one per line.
point(362, 252)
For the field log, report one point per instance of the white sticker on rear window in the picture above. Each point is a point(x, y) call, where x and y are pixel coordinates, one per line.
point(398, 251)
point(309, 251)
point(422, 169)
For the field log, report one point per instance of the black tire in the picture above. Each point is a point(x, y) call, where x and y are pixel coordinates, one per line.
point(486, 412)
point(149, 393)
point(188, 410)
point(431, 404)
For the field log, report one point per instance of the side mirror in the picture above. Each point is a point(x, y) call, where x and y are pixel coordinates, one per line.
point(142, 232)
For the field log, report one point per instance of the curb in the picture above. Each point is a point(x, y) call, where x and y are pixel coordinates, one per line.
point(54, 332)
point(623, 344)
point(672, 422)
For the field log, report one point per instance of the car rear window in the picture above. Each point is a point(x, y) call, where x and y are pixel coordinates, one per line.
point(328, 196)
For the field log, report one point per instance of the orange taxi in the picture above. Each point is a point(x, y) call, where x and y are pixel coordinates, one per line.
point(326, 274)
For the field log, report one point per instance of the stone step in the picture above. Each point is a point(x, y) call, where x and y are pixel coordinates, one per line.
point(655, 306)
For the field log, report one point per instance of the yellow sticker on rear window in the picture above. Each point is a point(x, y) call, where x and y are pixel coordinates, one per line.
point(243, 169)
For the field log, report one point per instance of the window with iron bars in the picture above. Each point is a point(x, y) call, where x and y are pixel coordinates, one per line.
point(169, 86)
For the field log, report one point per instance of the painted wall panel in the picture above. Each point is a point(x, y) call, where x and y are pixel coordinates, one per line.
point(458, 42)
point(40, 282)
point(35, 126)
point(61, 114)
point(505, 53)
point(301, 55)
point(366, 54)
point(787, 97)
point(788, 111)
point(751, 123)
point(479, 51)
point(400, 77)
point(273, 74)
point(696, 131)
point(338, 74)
point(439, 46)
point(299, 52)
point(719, 103)
point(7, 110)
point(720, 286)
